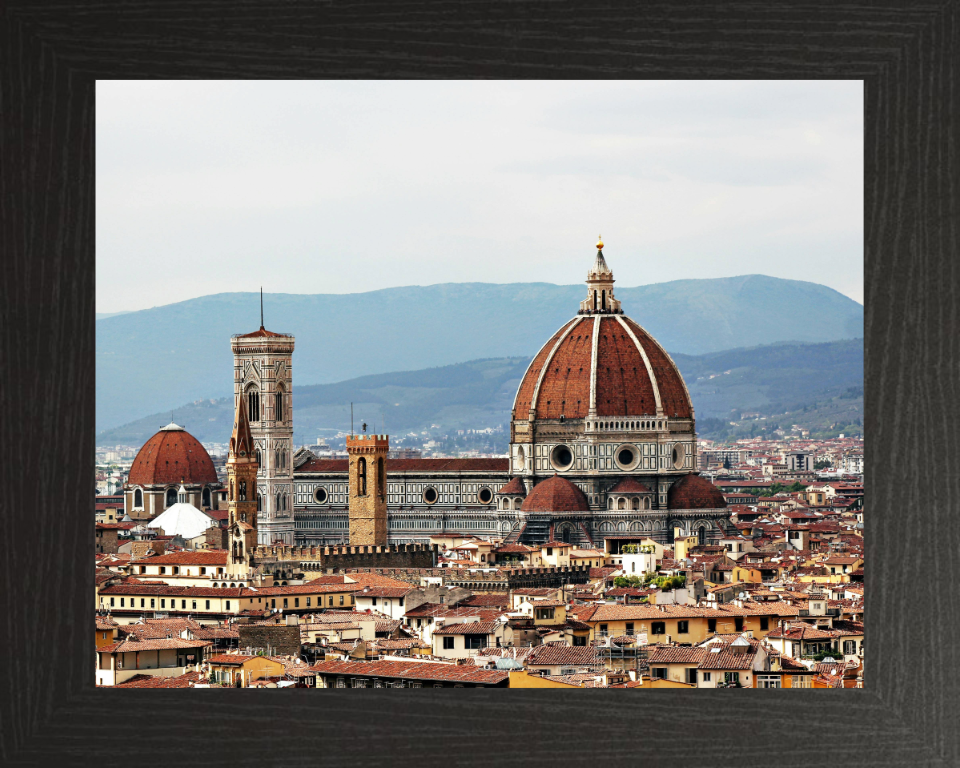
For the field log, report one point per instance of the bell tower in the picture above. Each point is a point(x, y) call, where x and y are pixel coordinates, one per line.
point(263, 377)
point(241, 493)
point(368, 488)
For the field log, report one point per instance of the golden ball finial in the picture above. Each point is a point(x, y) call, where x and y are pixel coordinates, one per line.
point(599, 242)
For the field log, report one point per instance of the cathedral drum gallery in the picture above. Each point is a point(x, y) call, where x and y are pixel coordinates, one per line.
point(602, 447)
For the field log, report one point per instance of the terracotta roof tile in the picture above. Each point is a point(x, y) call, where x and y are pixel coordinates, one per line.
point(187, 680)
point(131, 644)
point(673, 394)
point(207, 557)
point(385, 591)
point(629, 485)
point(695, 492)
point(556, 494)
point(467, 628)
point(169, 457)
point(514, 487)
point(412, 670)
point(524, 400)
point(562, 654)
point(675, 655)
point(263, 333)
point(230, 659)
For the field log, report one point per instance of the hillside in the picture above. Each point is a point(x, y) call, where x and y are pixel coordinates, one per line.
point(480, 393)
point(157, 359)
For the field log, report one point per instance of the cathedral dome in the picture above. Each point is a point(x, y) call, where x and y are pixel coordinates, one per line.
point(695, 492)
point(606, 361)
point(556, 494)
point(172, 455)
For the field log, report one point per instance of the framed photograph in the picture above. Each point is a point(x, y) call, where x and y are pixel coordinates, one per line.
point(498, 465)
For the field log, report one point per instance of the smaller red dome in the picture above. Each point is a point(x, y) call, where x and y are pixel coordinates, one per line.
point(555, 494)
point(514, 487)
point(629, 485)
point(172, 456)
point(695, 492)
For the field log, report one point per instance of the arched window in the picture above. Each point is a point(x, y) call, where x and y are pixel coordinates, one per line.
point(381, 478)
point(278, 405)
point(702, 536)
point(259, 460)
point(594, 299)
point(253, 404)
point(646, 503)
point(259, 502)
point(231, 497)
point(206, 498)
point(361, 476)
point(636, 504)
point(171, 496)
point(603, 299)
point(622, 504)
point(138, 498)
point(243, 491)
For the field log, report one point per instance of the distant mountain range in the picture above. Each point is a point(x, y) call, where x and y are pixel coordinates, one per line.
point(156, 359)
point(105, 315)
point(479, 394)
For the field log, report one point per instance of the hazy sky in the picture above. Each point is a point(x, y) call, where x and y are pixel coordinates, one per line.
point(342, 187)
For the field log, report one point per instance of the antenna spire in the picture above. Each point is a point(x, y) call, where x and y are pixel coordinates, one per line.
point(261, 307)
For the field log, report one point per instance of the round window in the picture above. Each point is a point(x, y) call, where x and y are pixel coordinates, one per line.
point(561, 457)
point(678, 456)
point(485, 495)
point(430, 495)
point(626, 457)
point(320, 496)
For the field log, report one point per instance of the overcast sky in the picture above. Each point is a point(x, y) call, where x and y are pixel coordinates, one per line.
point(342, 187)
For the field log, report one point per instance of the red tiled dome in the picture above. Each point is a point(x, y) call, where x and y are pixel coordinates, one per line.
point(555, 494)
point(629, 485)
point(694, 492)
point(514, 487)
point(172, 455)
point(632, 371)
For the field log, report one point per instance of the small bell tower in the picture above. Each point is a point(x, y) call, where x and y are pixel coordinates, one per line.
point(368, 488)
point(242, 467)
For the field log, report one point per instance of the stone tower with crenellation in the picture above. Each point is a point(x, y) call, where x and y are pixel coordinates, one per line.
point(263, 376)
point(368, 488)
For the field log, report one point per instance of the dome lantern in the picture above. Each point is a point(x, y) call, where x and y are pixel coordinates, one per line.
point(600, 299)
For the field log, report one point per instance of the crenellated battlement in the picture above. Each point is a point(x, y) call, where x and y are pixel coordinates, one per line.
point(349, 556)
point(283, 553)
point(367, 442)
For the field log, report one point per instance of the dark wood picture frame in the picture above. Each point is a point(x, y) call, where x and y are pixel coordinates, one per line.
point(51, 54)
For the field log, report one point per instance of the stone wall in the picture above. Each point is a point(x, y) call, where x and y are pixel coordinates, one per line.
point(281, 638)
point(501, 580)
point(139, 549)
point(332, 559)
